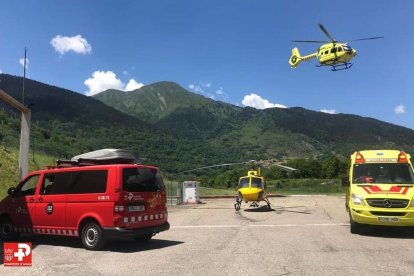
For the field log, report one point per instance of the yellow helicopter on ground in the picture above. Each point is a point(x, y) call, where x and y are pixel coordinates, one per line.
point(333, 53)
point(251, 187)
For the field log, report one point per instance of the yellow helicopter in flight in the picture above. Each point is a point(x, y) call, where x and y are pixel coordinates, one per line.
point(251, 187)
point(336, 54)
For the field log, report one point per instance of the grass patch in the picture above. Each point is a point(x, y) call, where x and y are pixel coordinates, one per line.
point(306, 186)
point(206, 191)
point(9, 167)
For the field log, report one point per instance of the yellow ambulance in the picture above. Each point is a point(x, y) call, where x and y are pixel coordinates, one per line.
point(380, 189)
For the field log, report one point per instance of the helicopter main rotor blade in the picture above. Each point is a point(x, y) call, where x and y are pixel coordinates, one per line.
point(286, 168)
point(214, 166)
point(326, 32)
point(369, 38)
point(311, 41)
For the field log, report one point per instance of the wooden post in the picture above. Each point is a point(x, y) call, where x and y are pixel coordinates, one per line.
point(24, 132)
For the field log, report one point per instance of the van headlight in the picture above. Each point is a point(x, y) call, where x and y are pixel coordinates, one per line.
point(412, 202)
point(357, 200)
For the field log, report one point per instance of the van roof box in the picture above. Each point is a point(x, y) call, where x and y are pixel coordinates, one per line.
point(105, 156)
point(98, 157)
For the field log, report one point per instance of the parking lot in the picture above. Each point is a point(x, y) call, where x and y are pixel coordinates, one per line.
point(301, 235)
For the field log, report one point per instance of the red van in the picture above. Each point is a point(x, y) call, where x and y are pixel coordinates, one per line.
point(86, 199)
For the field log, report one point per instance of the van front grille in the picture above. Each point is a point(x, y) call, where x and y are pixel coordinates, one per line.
point(387, 202)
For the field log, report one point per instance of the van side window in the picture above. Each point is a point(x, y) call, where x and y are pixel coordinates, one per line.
point(82, 182)
point(87, 182)
point(29, 186)
point(47, 184)
point(141, 180)
point(55, 183)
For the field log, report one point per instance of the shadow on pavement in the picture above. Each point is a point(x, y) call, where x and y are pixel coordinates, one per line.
point(388, 232)
point(124, 245)
point(263, 208)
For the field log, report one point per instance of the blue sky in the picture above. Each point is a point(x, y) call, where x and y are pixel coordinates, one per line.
point(233, 51)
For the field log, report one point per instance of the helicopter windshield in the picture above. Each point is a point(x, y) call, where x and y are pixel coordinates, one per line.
point(257, 182)
point(244, 182)
point(347, 48)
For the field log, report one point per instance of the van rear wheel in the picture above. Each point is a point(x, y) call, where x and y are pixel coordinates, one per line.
point(92, 236)
point(7, 232)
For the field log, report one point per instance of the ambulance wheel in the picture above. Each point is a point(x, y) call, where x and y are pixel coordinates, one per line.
point(355, 228)
point(92, 236)
point(7, 232)
point(143, 239)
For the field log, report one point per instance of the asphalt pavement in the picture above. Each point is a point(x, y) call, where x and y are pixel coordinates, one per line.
point(300, 235)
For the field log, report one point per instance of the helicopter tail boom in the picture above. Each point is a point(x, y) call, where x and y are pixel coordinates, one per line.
point(296, 58)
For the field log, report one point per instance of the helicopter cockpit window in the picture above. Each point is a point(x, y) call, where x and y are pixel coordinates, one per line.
point(333, 50)
point(244, 182)
point(339, 49)
point(257, 182)
point(347, 48)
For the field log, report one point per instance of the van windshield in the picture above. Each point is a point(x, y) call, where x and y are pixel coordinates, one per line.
point(141, 180)
point(386, 173)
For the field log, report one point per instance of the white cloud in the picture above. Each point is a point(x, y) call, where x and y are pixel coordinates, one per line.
point(1, 72)
point(329, 111)
point(220, 91)
point(258, 102)
point(207, 84)
point(132, 85)
point(101, 81)
point(77, 44)
point(196, 88)
point(399, 109)
point(21, 61)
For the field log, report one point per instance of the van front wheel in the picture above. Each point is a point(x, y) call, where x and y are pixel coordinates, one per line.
point(92, 236)
point(7, 232)
point(355, 227)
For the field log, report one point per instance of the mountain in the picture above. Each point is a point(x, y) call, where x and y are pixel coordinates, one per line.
point(153, 102)
point(165, 125)
point(273, 131)
point(66, 123)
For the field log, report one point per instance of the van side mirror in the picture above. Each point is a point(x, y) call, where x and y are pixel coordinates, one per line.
point(11, 191)
point(345, 181)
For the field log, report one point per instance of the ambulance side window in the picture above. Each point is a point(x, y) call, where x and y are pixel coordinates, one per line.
point(29, 186)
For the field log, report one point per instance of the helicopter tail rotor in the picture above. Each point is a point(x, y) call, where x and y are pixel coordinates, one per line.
point(295, 59)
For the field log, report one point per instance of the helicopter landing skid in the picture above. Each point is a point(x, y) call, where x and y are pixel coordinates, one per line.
point(338, 66)
point(254, 204)
point(268, 203)
point(238, 203)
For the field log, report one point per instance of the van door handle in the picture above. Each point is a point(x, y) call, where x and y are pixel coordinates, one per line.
point(40, 199)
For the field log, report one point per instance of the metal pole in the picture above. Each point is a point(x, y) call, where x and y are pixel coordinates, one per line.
point(170, 192)
point(24, 74)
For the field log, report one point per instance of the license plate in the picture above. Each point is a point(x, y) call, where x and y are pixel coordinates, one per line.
point(388, 219)
point(136, 208)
